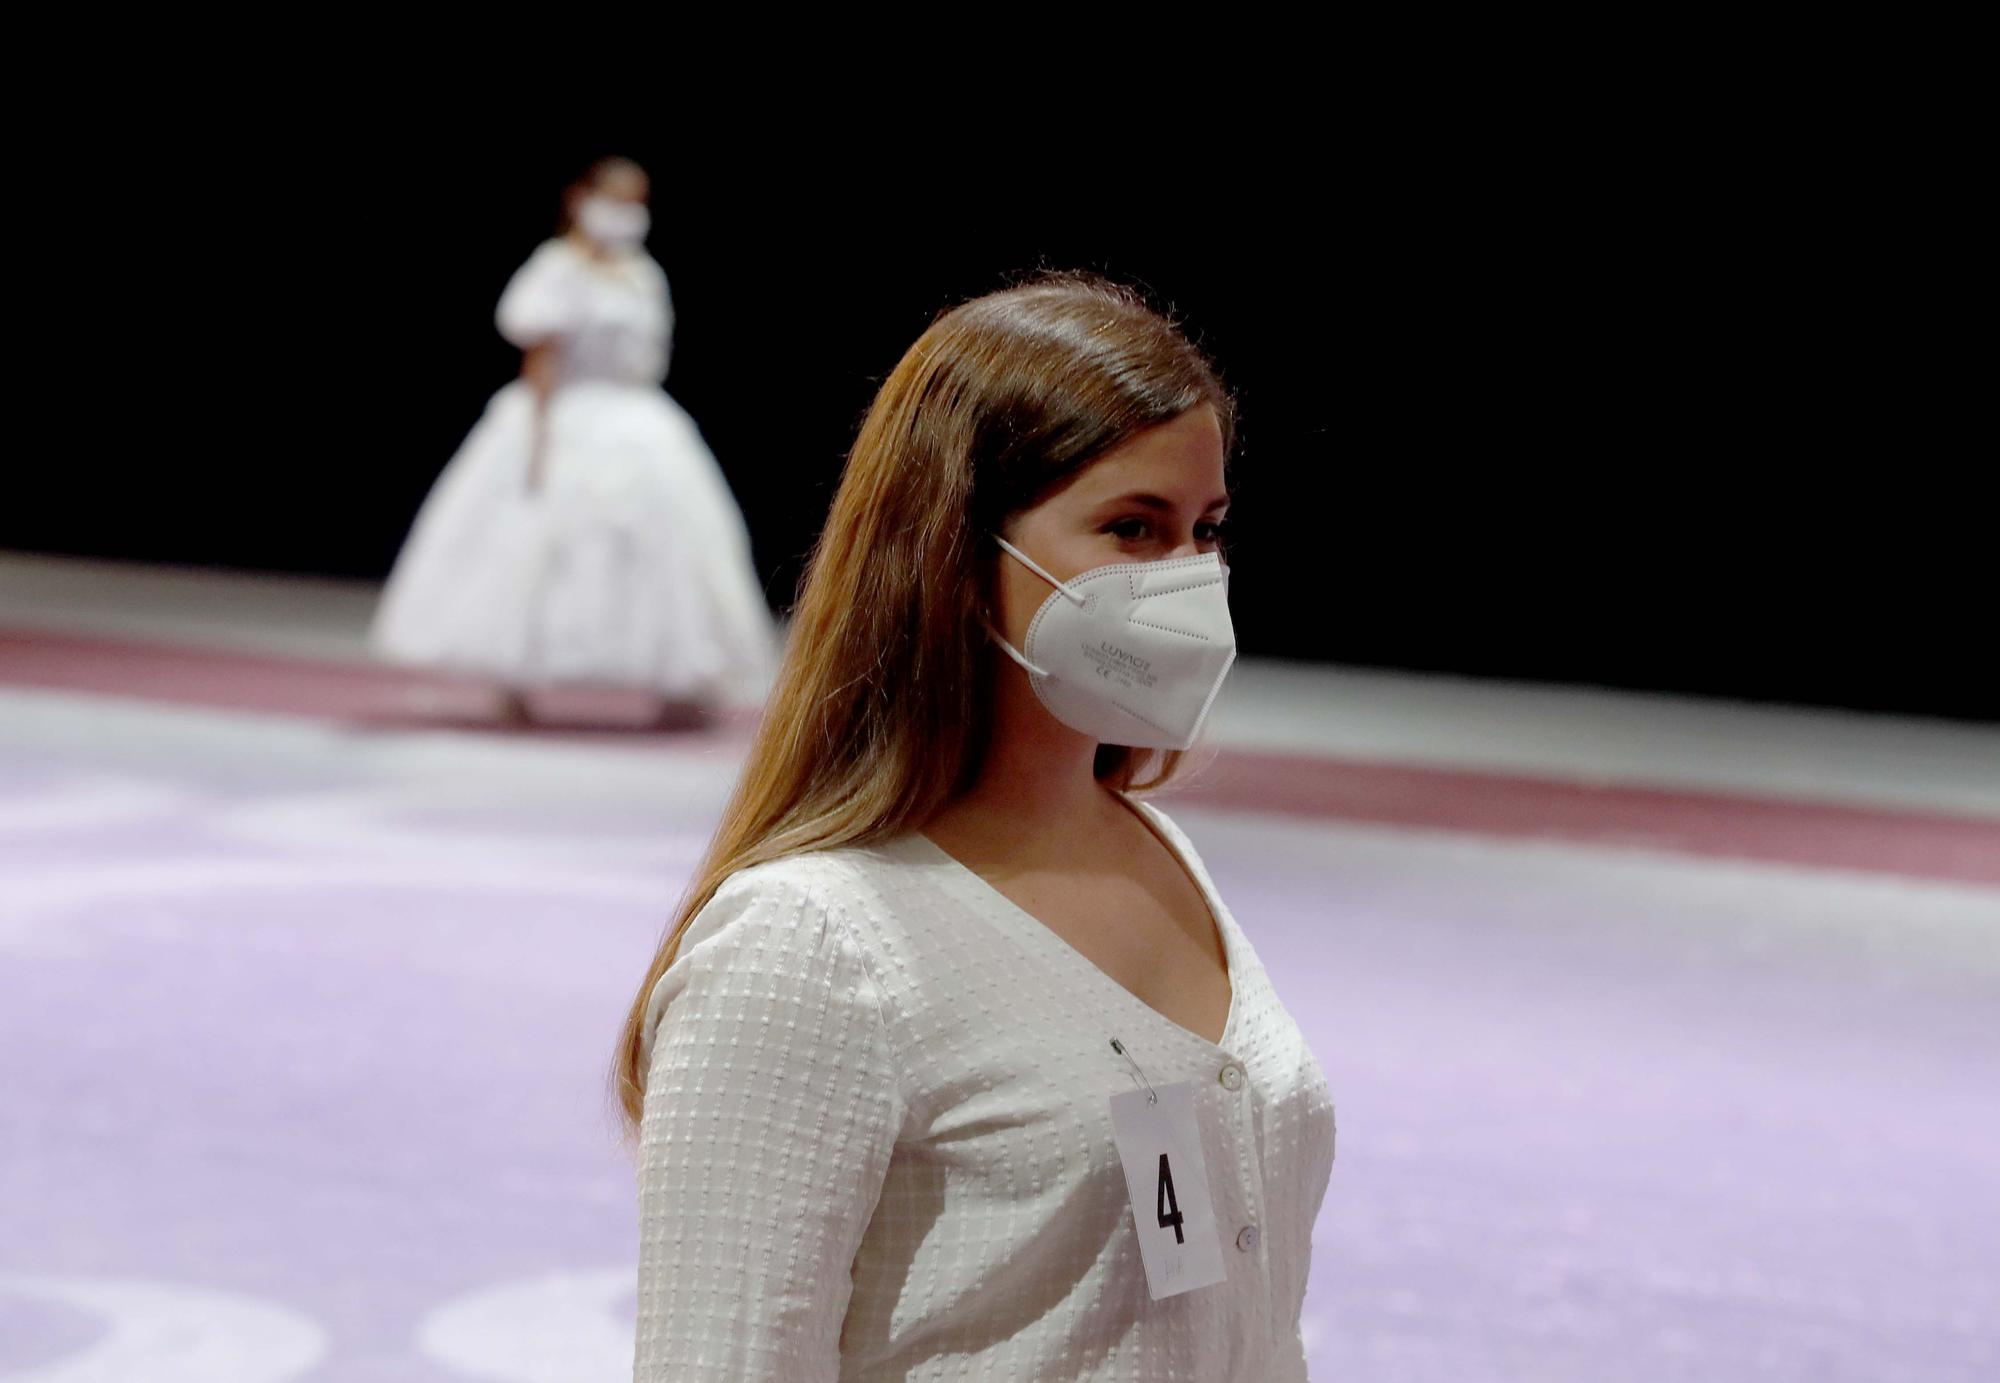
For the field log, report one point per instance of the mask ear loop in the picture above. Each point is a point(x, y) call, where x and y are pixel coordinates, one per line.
point(1032, 565)
point(1036, 567)
point(1009, 649)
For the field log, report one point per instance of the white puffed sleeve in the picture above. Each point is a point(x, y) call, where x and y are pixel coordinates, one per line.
point(772, 1104)
point(542, 299)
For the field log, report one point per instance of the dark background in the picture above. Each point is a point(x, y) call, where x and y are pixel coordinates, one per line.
point(1629, 407)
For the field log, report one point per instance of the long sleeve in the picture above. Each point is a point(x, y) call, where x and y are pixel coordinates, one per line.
point(772, 1104)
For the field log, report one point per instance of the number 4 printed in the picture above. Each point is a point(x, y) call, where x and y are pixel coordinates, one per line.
point(1166, 1199)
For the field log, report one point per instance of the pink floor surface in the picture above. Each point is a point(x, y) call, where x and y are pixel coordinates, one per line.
point(309, 982)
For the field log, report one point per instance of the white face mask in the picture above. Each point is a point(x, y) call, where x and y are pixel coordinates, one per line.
point(618, 225)
point(1133, 653)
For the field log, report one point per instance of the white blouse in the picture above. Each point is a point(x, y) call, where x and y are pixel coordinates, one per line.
point(877, 1142)
point(613, 319)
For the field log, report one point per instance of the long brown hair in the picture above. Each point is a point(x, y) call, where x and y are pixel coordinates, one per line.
point(879, 713)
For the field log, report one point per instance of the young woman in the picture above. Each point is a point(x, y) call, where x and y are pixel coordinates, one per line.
point(871, 1072)
point(584, 533)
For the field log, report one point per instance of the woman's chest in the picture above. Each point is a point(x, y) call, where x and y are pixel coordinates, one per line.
point(1006, 1044)
point(615, 301)
point(1152, 936)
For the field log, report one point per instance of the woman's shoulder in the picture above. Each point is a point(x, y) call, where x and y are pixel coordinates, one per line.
point(818, 903)
point(555, 255)
point(848, 880)
point(551, 259)
point(791, 916)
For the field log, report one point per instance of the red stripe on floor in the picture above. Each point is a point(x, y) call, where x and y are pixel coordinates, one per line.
point(1900, 841)
point(1903, 841)
point(369, 695)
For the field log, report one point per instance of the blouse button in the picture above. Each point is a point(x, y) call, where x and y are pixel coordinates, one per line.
point(1246, 1238)
point(1231, 1077)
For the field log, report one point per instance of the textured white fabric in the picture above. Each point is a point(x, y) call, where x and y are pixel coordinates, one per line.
point(614, 321)
point(877, 1143)
point(630, 564)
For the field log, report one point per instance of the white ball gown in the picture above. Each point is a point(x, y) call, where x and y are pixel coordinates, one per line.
point(630, 565)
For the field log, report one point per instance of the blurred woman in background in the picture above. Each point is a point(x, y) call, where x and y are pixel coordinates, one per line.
point(584, 534)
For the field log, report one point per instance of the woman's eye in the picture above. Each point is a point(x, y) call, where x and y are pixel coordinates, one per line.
point(1129, 529)
point(1206, 532)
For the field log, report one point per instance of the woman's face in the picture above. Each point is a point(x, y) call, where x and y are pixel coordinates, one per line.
point(1157, 494)
point(616, 184)
point(621, 185)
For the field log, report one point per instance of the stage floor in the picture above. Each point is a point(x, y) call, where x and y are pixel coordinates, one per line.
point(1660, 1031)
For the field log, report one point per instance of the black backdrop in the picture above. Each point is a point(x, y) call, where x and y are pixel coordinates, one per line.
point(1599, 414)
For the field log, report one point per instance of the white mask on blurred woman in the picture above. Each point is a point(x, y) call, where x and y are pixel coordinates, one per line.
point(614, 224)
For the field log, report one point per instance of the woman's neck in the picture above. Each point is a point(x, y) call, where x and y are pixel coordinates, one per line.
point(589, 248)
point(1036, 778)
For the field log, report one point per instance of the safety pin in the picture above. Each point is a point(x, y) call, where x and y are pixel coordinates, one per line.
point(1152, 1096)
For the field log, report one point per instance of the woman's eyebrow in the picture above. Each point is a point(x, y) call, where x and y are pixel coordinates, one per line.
point(1157, 502)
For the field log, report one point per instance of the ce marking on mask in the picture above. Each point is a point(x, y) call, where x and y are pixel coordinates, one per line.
point(1114, 664)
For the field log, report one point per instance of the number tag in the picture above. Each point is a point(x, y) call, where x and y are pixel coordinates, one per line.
point(1160, 1145)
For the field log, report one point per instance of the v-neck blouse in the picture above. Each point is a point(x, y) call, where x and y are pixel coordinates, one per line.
point(877, 1142)
point(1036, 929)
